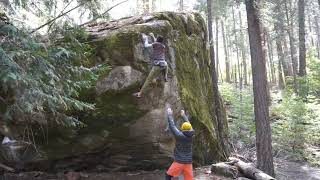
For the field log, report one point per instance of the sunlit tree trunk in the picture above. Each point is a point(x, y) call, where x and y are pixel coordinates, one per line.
point(302, 39)
point(292, 42)
point(223, 137)
point(281, 84)
point(270, 55)
point(226, 54)
point(286, 56)
point(217, 46)
point(243, 52)
point(237, 48)
point(260, 88)
point(310, 33)
point(317, 29)
point(281, 57)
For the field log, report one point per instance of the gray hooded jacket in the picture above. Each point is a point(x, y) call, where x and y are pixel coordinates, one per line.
point(183, 149)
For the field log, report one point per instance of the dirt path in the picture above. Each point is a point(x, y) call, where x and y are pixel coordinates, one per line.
point(287, 170)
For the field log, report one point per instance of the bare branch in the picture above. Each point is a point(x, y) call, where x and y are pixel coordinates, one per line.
point(54, 19)
point(103, 13)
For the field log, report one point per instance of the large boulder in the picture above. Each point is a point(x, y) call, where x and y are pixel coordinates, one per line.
point(126, 133)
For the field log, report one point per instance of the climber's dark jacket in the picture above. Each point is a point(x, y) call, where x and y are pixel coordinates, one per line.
point(183, 149)
point(158, 51)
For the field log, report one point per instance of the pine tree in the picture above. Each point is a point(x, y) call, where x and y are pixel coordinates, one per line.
point(261, 109)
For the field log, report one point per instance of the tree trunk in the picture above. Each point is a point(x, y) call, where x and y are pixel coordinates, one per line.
point(280, 40)
point(281, 57)
point(286, 56)
point(310, 33)
point(280, 75)
point(226, 54)
point(293, 50)
point(223, 136)
point(261, 109)
point(237, 47)
point(317, 29)
point(292, 40)
point(270, 55)
point(235, 76)
point(302, 39)
point(264, 52)
point(243, 52)
point(217, 47)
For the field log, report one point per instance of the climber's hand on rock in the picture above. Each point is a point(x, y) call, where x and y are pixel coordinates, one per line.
point(151, 34)
point(169, 111)
point(182, 113)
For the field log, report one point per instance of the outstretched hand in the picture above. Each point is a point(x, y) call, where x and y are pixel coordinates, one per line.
point(182, 113)
point(151, 34)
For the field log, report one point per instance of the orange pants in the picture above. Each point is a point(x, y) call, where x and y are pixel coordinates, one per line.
point(176, 169)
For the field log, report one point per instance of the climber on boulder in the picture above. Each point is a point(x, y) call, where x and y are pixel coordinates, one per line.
point(159, 64)
point(183, 150)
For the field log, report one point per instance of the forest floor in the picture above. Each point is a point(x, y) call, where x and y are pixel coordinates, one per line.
point(285, 170)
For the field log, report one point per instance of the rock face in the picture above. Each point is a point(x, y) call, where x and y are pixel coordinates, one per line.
point(126, 133)
point(119, 78)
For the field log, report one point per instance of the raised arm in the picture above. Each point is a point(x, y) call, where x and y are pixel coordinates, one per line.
point(145, 41)
point(184, 116)
point(172, 126)
point(153, 38)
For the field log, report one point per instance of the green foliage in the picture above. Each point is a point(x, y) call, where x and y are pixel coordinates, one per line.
point(295, 123)
point(39, 82)
point(313, 74)
point(75, 40)
point(219, 7)
point(309, 85)
point(290, 129)
point(297, 127)
point(242, 125)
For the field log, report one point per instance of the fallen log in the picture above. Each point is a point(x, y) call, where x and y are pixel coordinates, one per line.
point(7, 168)
point(224, 169)
point(250, 171)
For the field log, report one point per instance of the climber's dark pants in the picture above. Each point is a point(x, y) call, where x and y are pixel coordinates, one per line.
point(155, 71)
